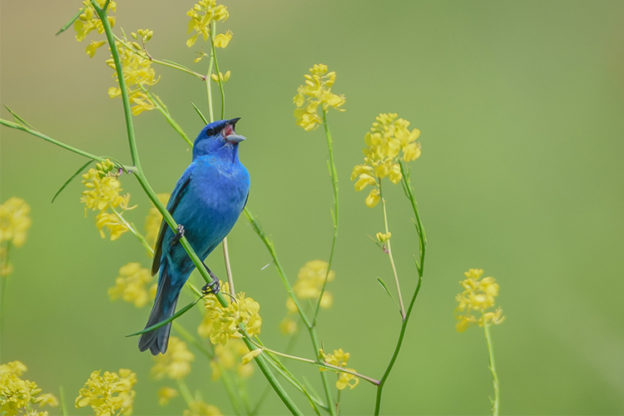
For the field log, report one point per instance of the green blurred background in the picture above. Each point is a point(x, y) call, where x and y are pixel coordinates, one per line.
point(521, 107)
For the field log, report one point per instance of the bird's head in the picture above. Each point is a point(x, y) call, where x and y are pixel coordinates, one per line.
point(216, 137)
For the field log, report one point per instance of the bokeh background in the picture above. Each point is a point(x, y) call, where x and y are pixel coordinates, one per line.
point(521, 107)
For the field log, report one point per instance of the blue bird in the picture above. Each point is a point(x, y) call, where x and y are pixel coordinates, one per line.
point(206, 202)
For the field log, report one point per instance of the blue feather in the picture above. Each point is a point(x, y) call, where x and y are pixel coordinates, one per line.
point(206, 201)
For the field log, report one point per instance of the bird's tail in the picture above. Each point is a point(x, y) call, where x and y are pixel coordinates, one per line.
point(164, 307)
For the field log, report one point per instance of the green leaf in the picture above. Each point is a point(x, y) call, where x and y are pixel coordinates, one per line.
point(71, 22)
point(166, 321)
point(198, 111)
point(18, 118)
point(71, 178)
point(383, 284)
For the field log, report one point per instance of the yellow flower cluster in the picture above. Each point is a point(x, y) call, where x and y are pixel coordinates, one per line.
point(19, 396)
point(103, 193)
point(229, 355)
point(138, 73)
point(199, 408)
point(309, 283)
point(165, 394)
point(109, 393)
point(479, 294)
point(175, 363)
point(339, 358)
point(89, 20)
point(154, 220)
point(14, 221)
point(220, 324)
point(203, 13)
point(314, 93)
point(131, 285)
point(388, 139)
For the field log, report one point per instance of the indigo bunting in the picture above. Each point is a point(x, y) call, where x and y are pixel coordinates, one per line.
point(206, 202)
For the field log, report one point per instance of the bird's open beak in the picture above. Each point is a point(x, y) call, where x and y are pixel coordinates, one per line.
point(229, 133)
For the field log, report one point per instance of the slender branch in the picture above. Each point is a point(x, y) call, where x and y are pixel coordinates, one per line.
point(389, 251)
point(134, 232)
point(228, 266)
point(209, 89)
point(311, 330)
point(420, 265)
point(163, 110)
point(3, 289)
point(185, 392)
point(49, 139)
point(495, 385)
point(216, 64)
point(334, 181)
point(320, 363)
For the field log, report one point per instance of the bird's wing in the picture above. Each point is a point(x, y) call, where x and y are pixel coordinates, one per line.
point(176, 196)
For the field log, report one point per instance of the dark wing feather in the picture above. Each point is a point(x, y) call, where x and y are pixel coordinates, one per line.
point(176, 196)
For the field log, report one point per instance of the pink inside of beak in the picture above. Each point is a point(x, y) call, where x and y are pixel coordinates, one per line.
point(228, 130)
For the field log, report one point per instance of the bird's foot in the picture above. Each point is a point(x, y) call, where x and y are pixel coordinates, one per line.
point(212, 287)
point(178, 235)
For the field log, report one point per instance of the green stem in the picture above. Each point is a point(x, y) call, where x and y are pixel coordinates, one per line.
point(495, 385)
point(185, 392)
point(49, 139)
point(163, 110)
point(134, 232)
point(334, 181)
point(134, 152)
point(389, 250)
point(420, 266)
point(62, 400)
point(311, 330)
point(216, 63)
point(209, 89)
point(3, 289)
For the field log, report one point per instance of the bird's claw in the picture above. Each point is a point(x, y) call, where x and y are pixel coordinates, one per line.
point(178, 235)
point(212, 287)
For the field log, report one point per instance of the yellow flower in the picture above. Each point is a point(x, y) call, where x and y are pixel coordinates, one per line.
point(175, 363)
point(138, 73)
point(203, 13)
point(388, 140)
point(154, 220)
point(93, 47)
point(199, 408)
point(131, 285)
point(479, 295)
point(383, 237)
point(311, 278)
point(14, 221)
point(314, 93)
point(288, 326)
point(108, 394)
point(165, 394)
point(89, 20)
point(103, 188)
point(116, 227)
point(222, 40)
point(220, 324)
point(231, 355)
point(224, 77)
point(19, 396)
point(339, 358)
